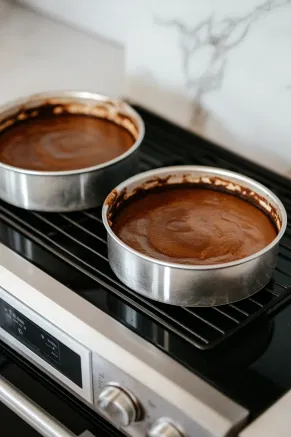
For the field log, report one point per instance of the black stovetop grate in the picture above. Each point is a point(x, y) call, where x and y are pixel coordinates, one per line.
point(80, 239)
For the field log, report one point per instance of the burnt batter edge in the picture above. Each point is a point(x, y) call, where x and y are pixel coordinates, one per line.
point(193, 238)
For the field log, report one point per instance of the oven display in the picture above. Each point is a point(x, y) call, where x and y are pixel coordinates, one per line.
point(41, 343)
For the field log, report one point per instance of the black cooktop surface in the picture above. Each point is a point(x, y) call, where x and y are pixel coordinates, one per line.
point(242, 349)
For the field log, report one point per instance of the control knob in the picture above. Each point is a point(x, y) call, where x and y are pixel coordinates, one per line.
point(164, 428)
point(118, 405)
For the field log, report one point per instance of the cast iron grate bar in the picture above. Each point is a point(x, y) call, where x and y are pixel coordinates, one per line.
point(80, 239)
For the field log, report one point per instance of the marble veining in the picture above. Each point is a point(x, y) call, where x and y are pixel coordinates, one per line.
point(222, 36)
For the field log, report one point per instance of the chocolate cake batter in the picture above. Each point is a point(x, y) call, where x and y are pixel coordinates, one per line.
point(193, 226)
point(63, 142)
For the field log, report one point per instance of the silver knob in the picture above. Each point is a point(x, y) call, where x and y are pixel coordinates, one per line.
point(164, 428)
point(117, 405)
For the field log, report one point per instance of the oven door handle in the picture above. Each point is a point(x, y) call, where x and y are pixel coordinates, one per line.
point(30, 412)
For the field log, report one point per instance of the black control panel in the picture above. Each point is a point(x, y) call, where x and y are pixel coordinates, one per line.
point(57, 354)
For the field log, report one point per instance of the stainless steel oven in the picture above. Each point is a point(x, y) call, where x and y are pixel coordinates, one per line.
point(119, 363)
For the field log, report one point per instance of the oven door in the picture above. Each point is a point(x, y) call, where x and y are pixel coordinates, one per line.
point(31, 407)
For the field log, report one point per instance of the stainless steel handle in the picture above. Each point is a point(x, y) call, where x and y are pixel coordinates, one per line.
point(30, 412)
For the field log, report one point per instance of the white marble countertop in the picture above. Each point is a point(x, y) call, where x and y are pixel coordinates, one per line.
point(39, 54)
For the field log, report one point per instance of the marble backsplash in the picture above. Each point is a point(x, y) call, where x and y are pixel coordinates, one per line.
point(218, 67)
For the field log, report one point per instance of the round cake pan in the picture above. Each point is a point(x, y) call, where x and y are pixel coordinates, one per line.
point(194, 285)
point(64, 191)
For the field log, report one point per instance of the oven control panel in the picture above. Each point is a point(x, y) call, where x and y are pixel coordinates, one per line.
point(134, 408)
point(130, 406)
point(140, 400)
point(45, 345)
point(42, 343)
point(122, 408)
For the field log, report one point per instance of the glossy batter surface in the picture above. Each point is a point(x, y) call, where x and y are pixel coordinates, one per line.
point(193, 226)
point(63, 143)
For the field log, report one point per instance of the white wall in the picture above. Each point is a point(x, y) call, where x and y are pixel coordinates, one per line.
point(107, 18)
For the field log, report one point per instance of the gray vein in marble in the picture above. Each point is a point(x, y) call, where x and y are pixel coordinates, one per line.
point(222, 36)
